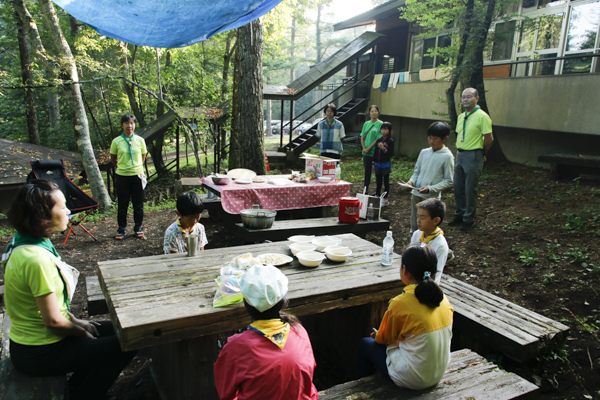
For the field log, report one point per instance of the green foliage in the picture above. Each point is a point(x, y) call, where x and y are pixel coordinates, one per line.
point(553, 252)
point(548, 279)
point(6, 230)
point(526, 257)
point(574, 221)
point(577, 254)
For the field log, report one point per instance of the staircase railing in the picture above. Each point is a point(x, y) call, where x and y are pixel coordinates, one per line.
point(354, 78)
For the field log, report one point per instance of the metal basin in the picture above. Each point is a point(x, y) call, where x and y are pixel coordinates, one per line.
point(257, 218)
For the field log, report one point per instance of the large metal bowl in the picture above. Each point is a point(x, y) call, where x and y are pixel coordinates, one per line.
point(220, 179)
point(257, 218)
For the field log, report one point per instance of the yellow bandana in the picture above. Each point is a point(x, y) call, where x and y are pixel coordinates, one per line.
point(273, 329)
point(437, 232)
point(185, 234)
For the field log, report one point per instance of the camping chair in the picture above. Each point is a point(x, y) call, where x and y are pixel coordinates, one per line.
point(77, 200)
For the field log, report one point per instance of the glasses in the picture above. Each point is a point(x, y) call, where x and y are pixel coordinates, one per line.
point(469, 97)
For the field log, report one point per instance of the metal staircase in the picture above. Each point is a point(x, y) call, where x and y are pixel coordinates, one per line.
point(304, 141)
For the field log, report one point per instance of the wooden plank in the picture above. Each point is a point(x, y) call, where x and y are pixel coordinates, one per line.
point(96, 302)
point(571, 159)
point(511, 329)
point(468, 376)
point(281, 230)
point(169, 297)
point(16, 386)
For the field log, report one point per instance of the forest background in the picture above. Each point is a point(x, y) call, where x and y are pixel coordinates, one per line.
point(297, 34)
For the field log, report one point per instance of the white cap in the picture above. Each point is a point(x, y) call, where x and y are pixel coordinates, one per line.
point(263, 286)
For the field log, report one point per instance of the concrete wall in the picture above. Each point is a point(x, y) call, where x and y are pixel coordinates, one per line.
point(531, 115)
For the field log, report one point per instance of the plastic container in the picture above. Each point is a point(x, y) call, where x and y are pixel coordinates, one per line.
point(370, 212)
point(388, 249)
point(298, 247)
point(349, 210)
point(337, 253)
point(310, 259)
point(338, 172)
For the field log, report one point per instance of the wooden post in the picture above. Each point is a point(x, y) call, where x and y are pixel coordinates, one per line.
point(185, 369)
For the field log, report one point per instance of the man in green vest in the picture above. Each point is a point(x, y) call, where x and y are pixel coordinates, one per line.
point(473, 140)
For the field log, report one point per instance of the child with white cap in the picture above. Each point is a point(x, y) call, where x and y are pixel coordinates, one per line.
point(273, 359)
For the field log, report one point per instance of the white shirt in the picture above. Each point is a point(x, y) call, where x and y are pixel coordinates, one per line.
point(440, 246)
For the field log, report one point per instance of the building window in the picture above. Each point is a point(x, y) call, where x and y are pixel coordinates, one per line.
point(582, 38)
point(421, 48)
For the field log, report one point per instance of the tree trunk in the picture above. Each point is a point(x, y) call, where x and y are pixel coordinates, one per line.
point(81, 128)
point(53, 109)
point(496, 154)
point(157, 144)
point(129, 89)
point(249, 114)
point(292, 43)
point(234, 149)
point(457, 70)
point(31, 115)
point(229, 50)
point(319, 8)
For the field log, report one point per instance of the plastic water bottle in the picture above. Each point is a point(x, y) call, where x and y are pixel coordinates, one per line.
point(370, 212)
point(388, 249)
point(338, 172)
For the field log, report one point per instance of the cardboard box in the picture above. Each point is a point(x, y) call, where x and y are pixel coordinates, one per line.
point(321, 166)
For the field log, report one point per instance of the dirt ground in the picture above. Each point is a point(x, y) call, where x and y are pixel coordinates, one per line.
point(536, 243)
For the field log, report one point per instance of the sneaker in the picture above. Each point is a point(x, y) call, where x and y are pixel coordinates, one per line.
point(467, 225)
point(456, 221)
point(139, 234)
point(385, 202)
point(120, 235)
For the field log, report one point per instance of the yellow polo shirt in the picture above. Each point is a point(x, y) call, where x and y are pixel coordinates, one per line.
point(120, 147)
point(30, 273)
point(478, 124)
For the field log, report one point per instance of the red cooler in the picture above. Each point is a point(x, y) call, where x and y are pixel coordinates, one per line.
point(349, 210)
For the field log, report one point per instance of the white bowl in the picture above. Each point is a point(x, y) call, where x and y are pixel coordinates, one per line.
point(323, 242)
point(337, 253)
point(324, 179)
point(298, 247)
point(301, 239)
point(310, 258)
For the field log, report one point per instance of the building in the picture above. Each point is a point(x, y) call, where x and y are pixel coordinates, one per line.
point(542, 84)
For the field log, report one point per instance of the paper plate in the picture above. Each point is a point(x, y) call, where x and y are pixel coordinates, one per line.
point(241, 173)
point(246, 181)
point(274, 259)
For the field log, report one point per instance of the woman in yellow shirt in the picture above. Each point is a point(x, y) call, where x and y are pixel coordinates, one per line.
point(412, 345)
point(45, 338)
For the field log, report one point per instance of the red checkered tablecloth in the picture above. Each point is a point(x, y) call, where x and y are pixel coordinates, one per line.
point(236, 197)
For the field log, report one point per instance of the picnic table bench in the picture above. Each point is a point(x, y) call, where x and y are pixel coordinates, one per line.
point(281, 230)
point(571, 165)
point(16, 386)
point(468, 376)
point(481, 317)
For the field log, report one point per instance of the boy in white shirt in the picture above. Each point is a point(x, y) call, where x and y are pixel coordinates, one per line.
point(430, 213)
point(189, 210)
point(434, 170)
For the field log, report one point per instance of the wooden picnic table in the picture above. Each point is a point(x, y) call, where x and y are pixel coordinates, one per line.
point(165, 302)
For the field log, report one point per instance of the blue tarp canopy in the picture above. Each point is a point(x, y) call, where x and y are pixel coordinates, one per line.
point(165, 23)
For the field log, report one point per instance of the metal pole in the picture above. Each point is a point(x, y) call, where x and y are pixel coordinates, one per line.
point(291, 118)
point(178, 174)
point(281, 127)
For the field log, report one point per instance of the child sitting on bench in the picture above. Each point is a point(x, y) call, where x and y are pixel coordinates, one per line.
point(430, 214)
point(412, 345)
point(189, 210)
point(273, 359)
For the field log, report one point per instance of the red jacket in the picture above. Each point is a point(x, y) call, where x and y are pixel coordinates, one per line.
point(252, 367)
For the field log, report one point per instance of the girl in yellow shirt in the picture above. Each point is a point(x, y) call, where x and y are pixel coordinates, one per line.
point(412, 344)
